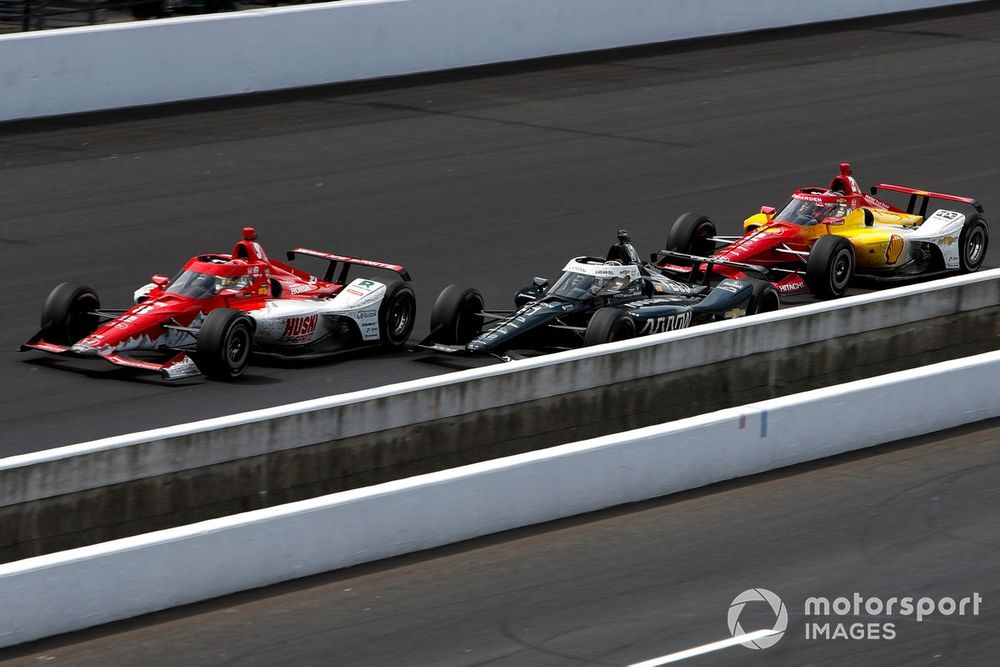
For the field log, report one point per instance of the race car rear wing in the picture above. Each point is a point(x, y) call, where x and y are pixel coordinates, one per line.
point(919, 199)
point(347, 262)
point(710, 263)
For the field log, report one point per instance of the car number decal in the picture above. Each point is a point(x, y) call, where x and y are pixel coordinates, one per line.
point(666, 323)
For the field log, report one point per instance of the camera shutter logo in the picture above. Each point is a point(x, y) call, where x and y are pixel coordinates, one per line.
point(758, 595)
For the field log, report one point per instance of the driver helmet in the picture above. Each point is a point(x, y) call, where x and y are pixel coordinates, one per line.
point(839, 210)
point(614, 283)
point(806, 212)
point(232, 282)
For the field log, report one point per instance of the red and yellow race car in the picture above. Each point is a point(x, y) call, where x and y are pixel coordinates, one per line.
point(219, 308)
point(824, 239)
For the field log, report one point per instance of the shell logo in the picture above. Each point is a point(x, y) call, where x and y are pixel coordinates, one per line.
point(893, 249)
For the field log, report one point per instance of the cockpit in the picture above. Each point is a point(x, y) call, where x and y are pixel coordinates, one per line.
point(202, 285)
point(582, 280)
point(807, 212)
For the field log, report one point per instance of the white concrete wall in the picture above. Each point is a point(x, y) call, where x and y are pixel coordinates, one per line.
point(83, 587)
point(127, 64)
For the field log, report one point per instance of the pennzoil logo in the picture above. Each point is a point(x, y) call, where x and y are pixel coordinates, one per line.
point(893, 249)
point(299, 327)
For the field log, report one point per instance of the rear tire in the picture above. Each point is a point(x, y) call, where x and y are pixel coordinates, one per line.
point(972, 244)
point(608, 325)
point(830, 266)
point(454, 318)
point(224, 344)
point(690, 233)
point(66, 315)
point(396, 314)
point(765, 298)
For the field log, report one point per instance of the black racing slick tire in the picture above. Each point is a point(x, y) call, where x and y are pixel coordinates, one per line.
point(225, 342)
point(396, 314)
point(456, 318)
point(972, 244)
point(830, 266)
point(690, 234)
point(608, 325)
point(764, 299)
point(68, 314)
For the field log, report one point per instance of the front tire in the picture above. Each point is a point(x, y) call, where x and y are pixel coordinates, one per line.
point(690, 234)
point(608, 325)
point(455, 318)
point(224, 344)
point(972, 244)
point(764, 299)
point(67, 315)
point(830, 266)
point(396, 314)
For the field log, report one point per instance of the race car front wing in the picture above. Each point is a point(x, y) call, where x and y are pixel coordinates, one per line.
point(176, 368)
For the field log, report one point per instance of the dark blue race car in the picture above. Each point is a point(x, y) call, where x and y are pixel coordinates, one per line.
point(595, 300)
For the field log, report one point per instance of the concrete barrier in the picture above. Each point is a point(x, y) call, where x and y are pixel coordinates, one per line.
point(121, 65)
point(92, 492)
point(84, 587)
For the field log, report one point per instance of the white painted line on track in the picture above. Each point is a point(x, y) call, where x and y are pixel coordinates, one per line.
point(705, 648)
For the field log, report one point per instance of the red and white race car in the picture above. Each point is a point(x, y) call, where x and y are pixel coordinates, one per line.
point(219, 308)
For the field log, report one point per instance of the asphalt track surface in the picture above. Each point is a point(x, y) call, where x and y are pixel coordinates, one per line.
point(917, 519)
point(489, 179)
point(485, 178)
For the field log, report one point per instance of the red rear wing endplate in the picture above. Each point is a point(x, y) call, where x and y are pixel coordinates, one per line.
point(924, 197)
point(346, 261)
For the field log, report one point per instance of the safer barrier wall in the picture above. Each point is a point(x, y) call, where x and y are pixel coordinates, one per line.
point(120, 486)
point(84, 587)
point(120, 65)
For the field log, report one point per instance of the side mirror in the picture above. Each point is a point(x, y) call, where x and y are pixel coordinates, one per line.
point(536, 290)
point(833, 221)
point(768, 210)
point(160, 280)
